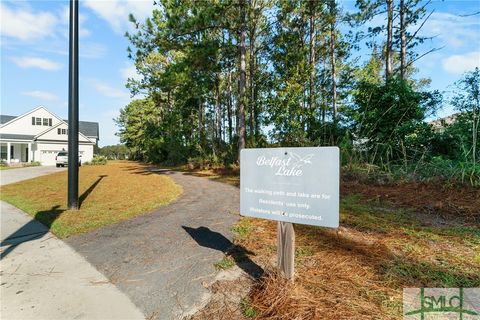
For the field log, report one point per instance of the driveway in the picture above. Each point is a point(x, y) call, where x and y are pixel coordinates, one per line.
point(165, 260)
point(19, 174)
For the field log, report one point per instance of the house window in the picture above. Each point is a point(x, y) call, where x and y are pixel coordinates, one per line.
point(3, 153)
point(45, 121)
point(64, 131)
point(38, 121)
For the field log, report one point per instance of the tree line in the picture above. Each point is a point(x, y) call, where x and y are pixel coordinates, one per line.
point(221, 75)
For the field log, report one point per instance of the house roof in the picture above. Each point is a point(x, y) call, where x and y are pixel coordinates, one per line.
point(5, 119)
point(16, 136)
point(87, 128)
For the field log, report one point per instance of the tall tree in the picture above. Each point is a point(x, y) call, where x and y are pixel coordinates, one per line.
point(312, 61)
point(389, 42)
point(242, 77)
point(333, 60)
point(403, 40)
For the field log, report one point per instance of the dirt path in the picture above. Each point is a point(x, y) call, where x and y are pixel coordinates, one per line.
point(164, 260)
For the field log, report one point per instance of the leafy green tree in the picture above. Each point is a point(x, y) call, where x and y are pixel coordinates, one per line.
point(466, 99)
point(135, 123)
point(115, 152)
point(388, 114)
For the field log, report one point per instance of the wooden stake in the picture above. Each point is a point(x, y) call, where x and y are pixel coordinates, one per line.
point(286, 249)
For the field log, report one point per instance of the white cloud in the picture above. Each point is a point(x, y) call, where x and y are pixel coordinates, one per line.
point(24, 24)
point(34, 62)
point(116, 12)
point(452, 30)
point(107, 90)
point(87, 49)
point(460, 63)
point(92, 50)
point(42, 95)
point(130, 72)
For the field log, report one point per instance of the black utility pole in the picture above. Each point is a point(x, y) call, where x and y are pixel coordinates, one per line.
point(73, 108)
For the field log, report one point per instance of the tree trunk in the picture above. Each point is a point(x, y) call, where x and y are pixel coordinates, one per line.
point(324, 92)
point(229, 107)
point(333, 14)
point(252, 82)
point(403, 41)
point(388, 49)
point(218, 110)
point(200, 123)
point(242, 80)
point(311, 104)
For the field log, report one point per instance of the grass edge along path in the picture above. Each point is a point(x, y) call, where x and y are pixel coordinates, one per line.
point(108, 194)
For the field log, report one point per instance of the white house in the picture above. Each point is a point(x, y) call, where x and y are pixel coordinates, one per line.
point(39, 135)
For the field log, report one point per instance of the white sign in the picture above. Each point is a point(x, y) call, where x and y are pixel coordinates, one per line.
point(299, 185)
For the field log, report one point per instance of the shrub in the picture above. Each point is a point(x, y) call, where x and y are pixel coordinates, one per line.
point(97, 160)
point(32, 164)
point(204, 163)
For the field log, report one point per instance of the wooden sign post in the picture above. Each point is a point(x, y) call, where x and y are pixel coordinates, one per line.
point(291, 185)
point(286, 249)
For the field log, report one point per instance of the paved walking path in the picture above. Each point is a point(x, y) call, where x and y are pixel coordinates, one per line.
point(43, 278)
point(164, 260)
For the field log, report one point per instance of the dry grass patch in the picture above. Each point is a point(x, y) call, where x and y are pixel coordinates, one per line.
point(229, 176)
point(359, 272)
point(391, 237)
point(108, 194)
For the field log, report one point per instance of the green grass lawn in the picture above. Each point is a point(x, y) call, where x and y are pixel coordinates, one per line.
point(108, 194)
point(9, 167)
point(22, 165)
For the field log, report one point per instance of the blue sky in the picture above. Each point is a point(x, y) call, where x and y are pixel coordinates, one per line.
point(34, 54)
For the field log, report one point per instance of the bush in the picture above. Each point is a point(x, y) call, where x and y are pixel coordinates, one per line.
point(32, 164)
point(97, 160)
point(204, 163)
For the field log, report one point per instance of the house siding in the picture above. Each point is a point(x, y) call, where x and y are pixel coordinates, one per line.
point(44, 140)
point(23, 125)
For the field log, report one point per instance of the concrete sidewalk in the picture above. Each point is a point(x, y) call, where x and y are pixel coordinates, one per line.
point(43, 278)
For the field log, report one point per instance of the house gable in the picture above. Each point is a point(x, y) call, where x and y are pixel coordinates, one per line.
point(23, 124)
point(59, 133)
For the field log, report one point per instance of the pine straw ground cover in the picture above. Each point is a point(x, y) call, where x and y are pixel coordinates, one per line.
point(108, 194)
point(359, 271)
